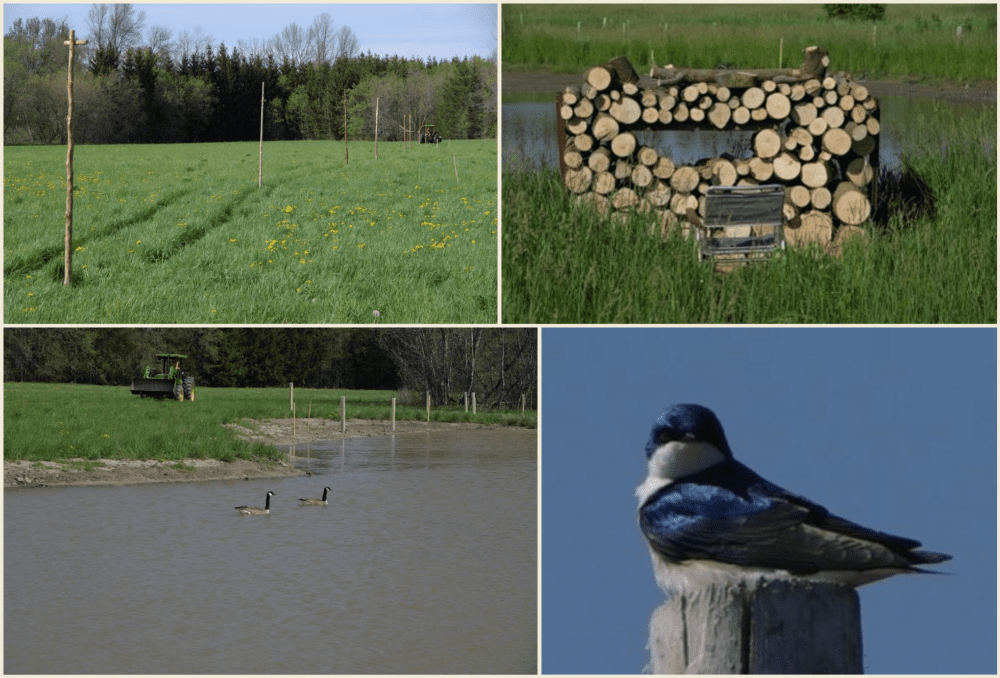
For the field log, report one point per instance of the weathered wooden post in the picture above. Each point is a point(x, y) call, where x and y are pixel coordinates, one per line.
point(68, 240)
point(376, 128)
point(345, 127)
point(773, 626)
point(393, 415)
point(428, 407)
point(260, 162)
point(291, 395)
point(473, 402)
point(343, 414)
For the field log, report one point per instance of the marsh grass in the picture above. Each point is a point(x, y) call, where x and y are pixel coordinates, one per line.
point(182, 234)
point(912, 40)
point(70, 421)
point(564, 263)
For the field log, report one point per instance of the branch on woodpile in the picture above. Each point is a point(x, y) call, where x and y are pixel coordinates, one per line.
point(814, 66)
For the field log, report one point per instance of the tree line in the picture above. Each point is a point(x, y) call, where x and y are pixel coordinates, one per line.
point(498, 364)
point(135, 87)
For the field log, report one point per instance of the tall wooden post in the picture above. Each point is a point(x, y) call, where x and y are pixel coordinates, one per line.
point(376, 128)
point(345, 127)
point(260, 161)
point(68, 240)
point(781, 626)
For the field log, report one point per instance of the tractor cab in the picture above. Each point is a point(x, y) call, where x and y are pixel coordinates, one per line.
point(170, 382)
point(428, 135)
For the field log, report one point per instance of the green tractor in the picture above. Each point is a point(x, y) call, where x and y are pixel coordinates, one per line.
point(171, 382)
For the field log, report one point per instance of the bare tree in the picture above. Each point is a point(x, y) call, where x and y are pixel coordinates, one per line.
point(254, 47)
point(192, 43)
point(498, 364)
point(158, 40)
point(115, 27)
point(292, 43)
point(321, 38)
point(347, 43)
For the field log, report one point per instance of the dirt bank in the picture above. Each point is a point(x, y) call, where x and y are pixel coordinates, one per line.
point(279, 431)
point(982, 92)
point(269, 431)
point(133, 472)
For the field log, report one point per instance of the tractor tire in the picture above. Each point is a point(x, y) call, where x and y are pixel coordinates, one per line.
point(189, 388)
point(178, 392)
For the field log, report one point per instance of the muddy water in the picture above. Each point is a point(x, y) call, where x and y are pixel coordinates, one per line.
point(424, 561)
point(529, 132)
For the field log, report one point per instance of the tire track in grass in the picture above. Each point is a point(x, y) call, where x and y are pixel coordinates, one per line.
point(193, 235)
point(36, 262)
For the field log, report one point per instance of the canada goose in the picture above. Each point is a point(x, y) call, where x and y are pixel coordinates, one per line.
point(316, 502)
point(255, 511)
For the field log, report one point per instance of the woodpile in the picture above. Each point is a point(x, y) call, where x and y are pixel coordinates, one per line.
point(815, 134)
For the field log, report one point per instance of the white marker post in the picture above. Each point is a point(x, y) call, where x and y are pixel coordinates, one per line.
point(68, 241)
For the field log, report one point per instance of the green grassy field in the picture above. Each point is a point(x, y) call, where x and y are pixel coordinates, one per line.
point(182, 234)
point(911, 41)
point(566, 264)
point(66, 421)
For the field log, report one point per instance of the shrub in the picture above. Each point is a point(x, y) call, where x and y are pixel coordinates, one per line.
point(856, 12)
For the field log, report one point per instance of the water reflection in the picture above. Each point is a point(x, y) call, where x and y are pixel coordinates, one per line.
point(529, 133)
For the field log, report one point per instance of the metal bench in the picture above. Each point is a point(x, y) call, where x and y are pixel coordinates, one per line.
point(750, 217)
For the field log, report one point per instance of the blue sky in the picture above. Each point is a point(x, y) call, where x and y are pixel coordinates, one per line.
point(892, 428)
point(422, 30)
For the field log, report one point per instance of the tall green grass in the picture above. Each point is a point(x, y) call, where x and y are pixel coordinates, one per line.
point(182, 234)
point(912, 40)
point(65, 421)
point(564, 263)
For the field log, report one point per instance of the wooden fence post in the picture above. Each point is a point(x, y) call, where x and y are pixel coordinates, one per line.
point(345, 128)
point(343, 414)
point(260, 162)
point(393, 415)
point(473, 402)
point(68, 239)
point(777, 626)
point(376, 128)
point(291, 395)
point(428, 407)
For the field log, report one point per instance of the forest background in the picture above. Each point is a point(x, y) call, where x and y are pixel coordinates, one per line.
point(499, 365)
point(141, 85)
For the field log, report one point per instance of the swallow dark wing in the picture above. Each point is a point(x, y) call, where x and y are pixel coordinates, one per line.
point(752, 528)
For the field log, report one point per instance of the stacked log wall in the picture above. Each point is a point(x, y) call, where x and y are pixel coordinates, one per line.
point(819, 138)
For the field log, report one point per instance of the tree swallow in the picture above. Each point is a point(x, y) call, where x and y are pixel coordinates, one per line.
point(708, 518)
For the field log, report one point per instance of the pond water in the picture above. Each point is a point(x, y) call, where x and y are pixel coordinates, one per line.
point(529, 131)
point(424, 561)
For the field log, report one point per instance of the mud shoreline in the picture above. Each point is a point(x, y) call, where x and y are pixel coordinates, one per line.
point(77, 472)
point(514, 82)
